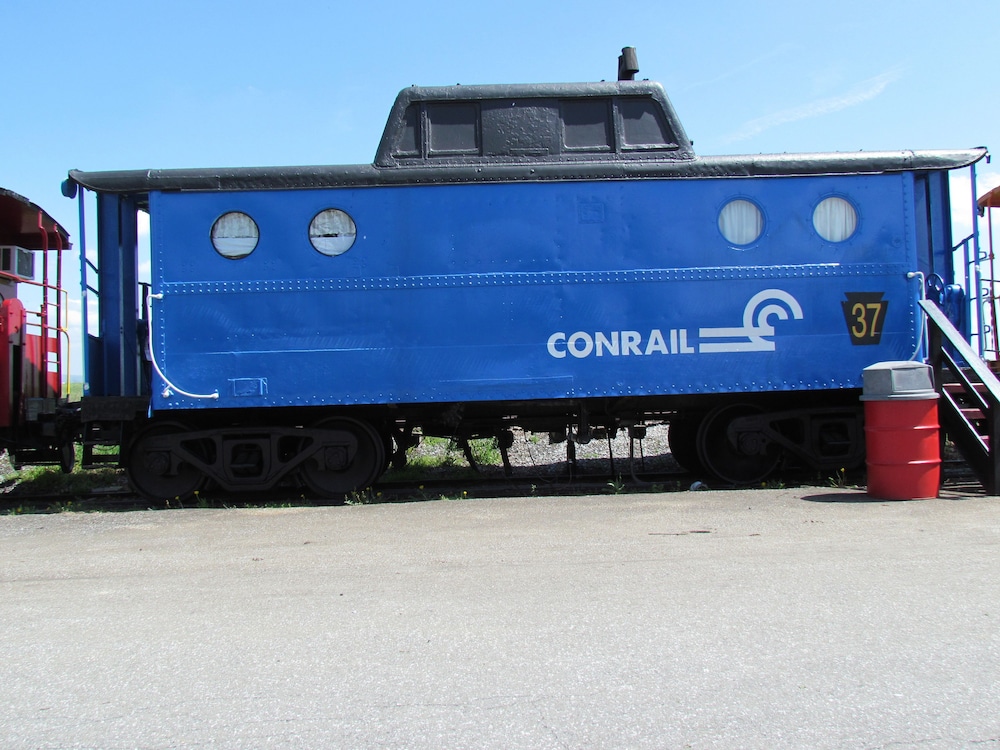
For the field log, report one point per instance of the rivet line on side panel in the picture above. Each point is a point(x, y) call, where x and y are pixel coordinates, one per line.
point(542, 278)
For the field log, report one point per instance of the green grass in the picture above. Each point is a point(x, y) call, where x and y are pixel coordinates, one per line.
point(436, 453)
point(42, 480)
point(50, 479)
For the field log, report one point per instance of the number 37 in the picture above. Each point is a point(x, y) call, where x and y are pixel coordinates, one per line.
point(864, 313)
point(867, 319)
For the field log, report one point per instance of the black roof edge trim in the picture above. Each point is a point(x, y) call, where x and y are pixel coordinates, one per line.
point(319, 177)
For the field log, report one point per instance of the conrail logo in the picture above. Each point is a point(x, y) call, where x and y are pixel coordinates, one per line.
point(755, 335)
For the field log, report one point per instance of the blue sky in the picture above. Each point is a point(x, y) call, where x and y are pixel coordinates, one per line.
point(107, 84)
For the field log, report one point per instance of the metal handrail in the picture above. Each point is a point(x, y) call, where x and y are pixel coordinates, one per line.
point(60, 329)
point(978, 387)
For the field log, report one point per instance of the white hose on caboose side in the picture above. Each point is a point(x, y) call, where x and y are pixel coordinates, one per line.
point(922, 344)
point(171, 388)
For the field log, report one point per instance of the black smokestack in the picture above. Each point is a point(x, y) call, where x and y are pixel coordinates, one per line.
point(628, 64)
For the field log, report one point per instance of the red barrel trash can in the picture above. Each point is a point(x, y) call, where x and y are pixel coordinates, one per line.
point(902, 436)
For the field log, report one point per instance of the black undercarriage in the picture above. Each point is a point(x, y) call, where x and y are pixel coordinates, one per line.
point(332, 451)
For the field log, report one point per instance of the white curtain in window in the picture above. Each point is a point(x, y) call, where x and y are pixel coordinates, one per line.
point(741, 222)
point(235, 235)
point(835, 219)
point(332, 231)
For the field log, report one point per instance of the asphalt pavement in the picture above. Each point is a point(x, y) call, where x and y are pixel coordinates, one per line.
point(793, 618)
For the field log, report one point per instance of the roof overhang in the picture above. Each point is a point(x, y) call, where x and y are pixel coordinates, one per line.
point(24, 224)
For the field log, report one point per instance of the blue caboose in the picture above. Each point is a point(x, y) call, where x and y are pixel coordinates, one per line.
point(554, 257)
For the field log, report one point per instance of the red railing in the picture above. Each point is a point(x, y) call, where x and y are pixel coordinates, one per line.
point(46, 336)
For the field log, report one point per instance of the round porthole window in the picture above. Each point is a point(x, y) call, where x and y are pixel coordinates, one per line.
point(332, 232)
point(741, 222)
point(235, 235)
point(835, 219)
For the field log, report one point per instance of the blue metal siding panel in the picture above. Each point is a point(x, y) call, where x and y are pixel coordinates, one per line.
point(104, 376)
point(939, 222)
point(452, 293)
point(116, 374)
point(129, 285)
point(929, 262)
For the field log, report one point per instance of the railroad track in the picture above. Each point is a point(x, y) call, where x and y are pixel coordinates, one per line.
point(956, 477)
point(431, 488)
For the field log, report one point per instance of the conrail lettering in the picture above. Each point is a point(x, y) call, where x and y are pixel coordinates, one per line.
point(756, 334)
point(584, 344)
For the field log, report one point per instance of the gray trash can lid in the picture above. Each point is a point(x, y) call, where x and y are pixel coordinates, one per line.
point(903, 381)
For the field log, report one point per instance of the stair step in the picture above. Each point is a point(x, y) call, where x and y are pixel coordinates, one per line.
point(972, 414)
point(957, 388)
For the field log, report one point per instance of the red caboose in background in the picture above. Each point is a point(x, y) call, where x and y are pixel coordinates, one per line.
point(35, 425)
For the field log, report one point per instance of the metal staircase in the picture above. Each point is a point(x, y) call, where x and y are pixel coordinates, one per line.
point(969, 407)
point(969, 404)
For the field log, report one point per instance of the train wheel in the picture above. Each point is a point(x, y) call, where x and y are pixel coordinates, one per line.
point(749, 460)
point(330, 477)
point(682, 439)
point(153, 469)
point(67, 457)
